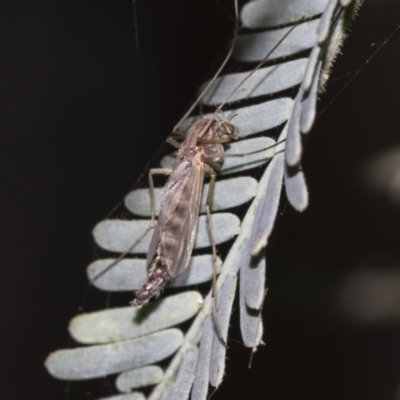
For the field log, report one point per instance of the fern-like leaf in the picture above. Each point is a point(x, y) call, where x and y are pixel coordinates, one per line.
point(126, 341)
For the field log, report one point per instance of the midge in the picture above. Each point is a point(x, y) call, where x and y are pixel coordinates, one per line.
point(201, 153)
point(173, 238)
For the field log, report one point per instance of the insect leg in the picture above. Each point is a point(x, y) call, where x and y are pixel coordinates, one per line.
point(213, 164)
point(214, 253)
point(207, 159)
point(174, 142)
point(122, 255)
point(214, 141)
point(155, 171)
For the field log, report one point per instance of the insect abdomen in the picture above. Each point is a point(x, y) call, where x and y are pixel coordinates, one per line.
point(156, 280)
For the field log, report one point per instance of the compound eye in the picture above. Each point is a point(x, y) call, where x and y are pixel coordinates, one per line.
point(235, 134)
point(232, 131)
point(228, 129)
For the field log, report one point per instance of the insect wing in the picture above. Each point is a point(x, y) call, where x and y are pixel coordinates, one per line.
point(155, 240)
point(179, 216)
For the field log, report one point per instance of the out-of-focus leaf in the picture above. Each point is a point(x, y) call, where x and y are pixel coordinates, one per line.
point(371, 295)
point(382, 174)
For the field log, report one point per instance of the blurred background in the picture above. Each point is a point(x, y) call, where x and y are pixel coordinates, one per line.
point(78, 123)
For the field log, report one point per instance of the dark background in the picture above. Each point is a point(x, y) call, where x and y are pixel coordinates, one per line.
point(73, 141)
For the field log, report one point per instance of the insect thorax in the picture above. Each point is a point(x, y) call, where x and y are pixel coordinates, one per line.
point(207, 136)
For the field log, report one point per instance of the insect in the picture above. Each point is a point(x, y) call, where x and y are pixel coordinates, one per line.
point(175, 232)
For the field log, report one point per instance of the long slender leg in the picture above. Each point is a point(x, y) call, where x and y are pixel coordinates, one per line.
point(155, 171)
point(179, 133)
point(207, 159)
point(214, 141)
point(122, 255)
point(214, 255)
point(213, 164)
point(173, 142)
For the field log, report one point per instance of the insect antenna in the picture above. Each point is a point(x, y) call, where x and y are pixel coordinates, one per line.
point(227, 57)
point(237, 87)
point(122, 255)
point(258, 66)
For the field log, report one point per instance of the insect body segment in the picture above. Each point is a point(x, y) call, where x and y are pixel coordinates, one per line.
point(175, 232)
